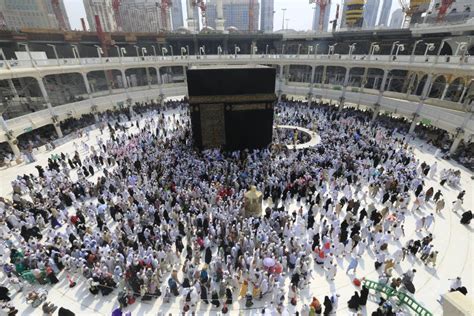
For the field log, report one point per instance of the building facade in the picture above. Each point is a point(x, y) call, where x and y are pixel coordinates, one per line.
point(316, 16)
point(177, 15)
point(236, 14)
point(266, 19)
point(371, 10)
point(105, 11)
point(19, 14)
point(385, 13)
point(397, 19)
point(145, 16)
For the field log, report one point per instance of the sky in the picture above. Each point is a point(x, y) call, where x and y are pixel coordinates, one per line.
point(299, 12)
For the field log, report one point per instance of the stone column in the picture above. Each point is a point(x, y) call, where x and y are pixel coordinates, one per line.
point(44, 93)
point(87, 85)
point(311, 86)
point(376, 111)
point(280, 85)
point(414, 122)
point(424, 93)
point(148, 79)
point(12, 142)
point(463, 93)
point(160, 84)
point(344, 89)
point(457, 140)
point(323, 79)
point(446, 87)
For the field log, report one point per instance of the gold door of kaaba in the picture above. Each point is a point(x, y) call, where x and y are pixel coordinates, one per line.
point(212, 125)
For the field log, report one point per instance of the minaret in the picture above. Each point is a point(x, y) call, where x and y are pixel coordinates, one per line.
point(220, 16)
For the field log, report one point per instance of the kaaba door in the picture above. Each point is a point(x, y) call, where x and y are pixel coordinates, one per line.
point(212, 125)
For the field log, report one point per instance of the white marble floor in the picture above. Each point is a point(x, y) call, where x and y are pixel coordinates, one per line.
point(453, 240)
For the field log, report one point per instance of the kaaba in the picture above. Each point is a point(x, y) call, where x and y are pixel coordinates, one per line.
point(231, 108)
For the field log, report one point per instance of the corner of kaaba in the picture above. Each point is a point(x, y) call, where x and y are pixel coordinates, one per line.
point(231, 108)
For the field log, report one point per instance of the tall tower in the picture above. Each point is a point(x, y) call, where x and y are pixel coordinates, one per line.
point(397, 19)
point(385, 14)
point(177, 15)
point(105, 11)
point(371, 10)
point(317, 14)
point(353, 14)
point(266, 21)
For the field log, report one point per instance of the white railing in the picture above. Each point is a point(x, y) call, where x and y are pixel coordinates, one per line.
point(264, 58)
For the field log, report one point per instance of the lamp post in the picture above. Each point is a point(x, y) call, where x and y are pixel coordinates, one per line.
point(310, 50)
point(441, 46)
point(136, 50)
point(316, 50)
point(29, 53)
point(412, 56)
point(429, 48)
point(287, 22)
point(331, 50)
point(172, 54)
point(183, 52)
point(283, 19)
point(55, 52)
point(236, 50)
point(144, 51)
point(154, 50)
point(164, 51)
point(202, 50)
point(187, 51)
point(75, 52)
point(400, 48)
point(219, 50)
point(393, 48)
point(4, 58)
point(351, 49)
point(298, 52)
point(461, 46)
point(266, 50)
point(374, 47)
point(99, 52)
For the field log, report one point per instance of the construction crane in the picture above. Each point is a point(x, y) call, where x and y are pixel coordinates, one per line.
point(323, 6)
point(59, 14)
point(251, 15)
point(202, 6)
point(116, 8)
point(443, 9)
point(411, 7)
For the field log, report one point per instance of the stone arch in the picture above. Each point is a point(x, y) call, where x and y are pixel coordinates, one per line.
point(374, 78)
point(335, 75)
point(455, 90)
point(396, 80)
point(65, 88)
point(299, 73)
point(437, 87)
point(356, 76)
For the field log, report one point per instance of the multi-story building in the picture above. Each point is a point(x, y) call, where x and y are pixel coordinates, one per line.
point(316, 16)
point(146, 16)
point(397, 19)
point(105, 11)
point(371, 10)
point(385, 13)
point(20, 14)
point(177, 15)
point(266, 19)
point(236, 13)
